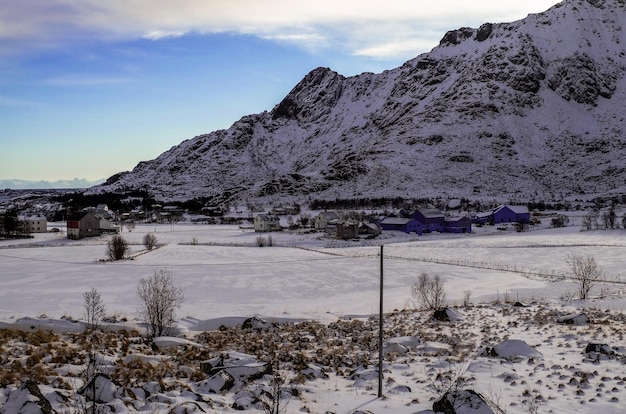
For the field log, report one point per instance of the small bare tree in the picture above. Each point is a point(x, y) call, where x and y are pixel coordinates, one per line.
point(273, 393)
point(159, 300)
point(150, 241)
point(585, 272)
point(117, 247)
point(590, 220)
point(130, 225)
point(94, 309)
point(428, 292)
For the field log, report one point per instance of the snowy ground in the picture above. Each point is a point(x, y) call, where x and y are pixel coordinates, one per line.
point(227, 278)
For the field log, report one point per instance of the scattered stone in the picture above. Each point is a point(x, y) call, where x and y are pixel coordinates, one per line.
point(101, 389)
point(27, 399)
point(446, 315)
point(577, 319)
point(257, 324)
point(462, 402)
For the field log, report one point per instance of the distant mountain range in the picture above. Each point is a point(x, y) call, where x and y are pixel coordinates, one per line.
point(532, 109)
point(16, 184)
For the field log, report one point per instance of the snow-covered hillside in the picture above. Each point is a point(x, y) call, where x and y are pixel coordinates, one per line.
point(532, 108)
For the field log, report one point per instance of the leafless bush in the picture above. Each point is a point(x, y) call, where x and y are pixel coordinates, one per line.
point(272, 393)
point(94, 308)
point(265, 241)
point(150, 241)
point(590, 220)
point(451, 378)
point(532, 401)
point(305, 219)
point(117, 248)
point(467, 295)
point(428, 292)
point(130, 225)
point(159, 300)
point(585, 273)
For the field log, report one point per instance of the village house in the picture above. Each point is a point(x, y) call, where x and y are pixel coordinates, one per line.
point(458, 224)
point(326, 219)
point(33, 224)
point(82, 224)
point(267, 222)
point(404, 224)
point(431, 218)
point(347, 230)
point(370, 229)
point(482, 218)
point(105, 223)
point(511, 214)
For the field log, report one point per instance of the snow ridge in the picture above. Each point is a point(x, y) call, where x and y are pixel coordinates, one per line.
point(527, 109)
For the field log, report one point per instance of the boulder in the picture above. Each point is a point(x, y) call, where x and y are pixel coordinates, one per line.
point(577, 319)
point(27, 399)
point(101, 389)
point(238, 365)
point(446, 315)
point(462, 402)
point(512, 349)
point(257, 324)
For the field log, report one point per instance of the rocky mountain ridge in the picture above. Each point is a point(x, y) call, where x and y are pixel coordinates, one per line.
point(528, 109)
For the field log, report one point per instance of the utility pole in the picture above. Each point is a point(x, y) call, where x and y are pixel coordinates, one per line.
point(380, 330)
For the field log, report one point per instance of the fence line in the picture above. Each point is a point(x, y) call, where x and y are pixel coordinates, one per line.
point(530, 273)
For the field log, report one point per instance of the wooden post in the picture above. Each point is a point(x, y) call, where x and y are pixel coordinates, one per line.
point(380, 330)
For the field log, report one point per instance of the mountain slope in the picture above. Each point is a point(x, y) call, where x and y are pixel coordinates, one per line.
point(531, 108)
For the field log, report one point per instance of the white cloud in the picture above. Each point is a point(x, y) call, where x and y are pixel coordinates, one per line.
point(160, 34)
point(351, 26)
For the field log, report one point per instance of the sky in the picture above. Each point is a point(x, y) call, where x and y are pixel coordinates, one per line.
point(89, 88)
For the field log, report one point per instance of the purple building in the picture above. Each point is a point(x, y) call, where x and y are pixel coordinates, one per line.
point(459, 224)
point(511, 214)
point(407, 225)
point(431, 218)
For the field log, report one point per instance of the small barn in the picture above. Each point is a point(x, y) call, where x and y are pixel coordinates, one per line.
point(482, 218)
point(511, 214)
point(459, 224)
point(326, 219)
point(431, 218)
point(370, 229)
point(406, 225)
point(267, 222)
point(347, 230)
point(82, 224)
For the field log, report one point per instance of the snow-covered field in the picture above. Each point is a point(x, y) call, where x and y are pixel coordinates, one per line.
point(227, 278)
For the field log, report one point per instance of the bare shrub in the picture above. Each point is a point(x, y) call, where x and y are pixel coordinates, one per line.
point(585, 273)
point(159, 300)
point(94, 308)
point(260, 241)
point(273, 393)
point(609, 219)
point(150, 241)
point(590, 220)
point(467, 295)
point(117, 247)
point(452, 377)
point(270, 240)
point(428, 292)
point(130, 225)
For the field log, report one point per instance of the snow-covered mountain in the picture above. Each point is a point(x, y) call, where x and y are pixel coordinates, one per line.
point(532, 108)
point(17, 184)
